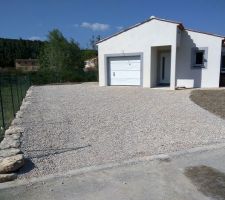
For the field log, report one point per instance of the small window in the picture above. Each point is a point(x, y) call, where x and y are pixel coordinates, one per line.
point(199, 57)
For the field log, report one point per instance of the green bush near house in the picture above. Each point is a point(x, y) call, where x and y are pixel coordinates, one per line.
point(50, 76)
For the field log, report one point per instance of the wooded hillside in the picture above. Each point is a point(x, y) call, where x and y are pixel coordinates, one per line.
point(11, 49)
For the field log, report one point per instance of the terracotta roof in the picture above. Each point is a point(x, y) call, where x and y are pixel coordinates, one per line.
point(179, 25)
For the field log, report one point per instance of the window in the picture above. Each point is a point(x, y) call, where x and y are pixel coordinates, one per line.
point(199, 57)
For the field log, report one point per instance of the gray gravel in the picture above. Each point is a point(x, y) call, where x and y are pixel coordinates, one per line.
point(72, 126)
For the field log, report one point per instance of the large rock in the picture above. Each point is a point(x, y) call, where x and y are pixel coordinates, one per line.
point(7, 177)
point(9, 152)
point(9, 142)
point(11, 164)
point(13, 136)
point(13, 130)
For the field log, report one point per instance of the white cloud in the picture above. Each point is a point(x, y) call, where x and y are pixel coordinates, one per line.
point(119, 27)
point(35, 38)
point(95, 26)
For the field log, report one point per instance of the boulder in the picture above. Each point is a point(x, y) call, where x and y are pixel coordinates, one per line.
point(11, 164)
point(7, 177)
point(13, 137)
point(13, 130)
point(9, 142)
point(9, 152)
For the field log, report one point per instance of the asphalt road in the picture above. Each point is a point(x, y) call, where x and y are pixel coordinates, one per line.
point(196, 174)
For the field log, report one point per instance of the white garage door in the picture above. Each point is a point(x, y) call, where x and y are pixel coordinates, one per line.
point(125, 70)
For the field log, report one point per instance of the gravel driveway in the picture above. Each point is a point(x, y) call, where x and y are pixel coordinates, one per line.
point(72, 126)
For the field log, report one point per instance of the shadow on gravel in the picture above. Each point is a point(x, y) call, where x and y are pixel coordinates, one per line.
point(208, 180)
point(40, 153)
point(29, 165)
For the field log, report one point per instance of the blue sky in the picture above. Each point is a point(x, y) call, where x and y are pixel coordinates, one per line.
point(80, 19)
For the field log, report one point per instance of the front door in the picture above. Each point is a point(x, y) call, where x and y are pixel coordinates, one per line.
point(165, 63)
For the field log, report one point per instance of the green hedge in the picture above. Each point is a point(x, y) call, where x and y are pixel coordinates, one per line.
point(49, 76)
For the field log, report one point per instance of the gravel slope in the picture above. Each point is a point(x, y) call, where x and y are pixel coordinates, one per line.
point(72, 126)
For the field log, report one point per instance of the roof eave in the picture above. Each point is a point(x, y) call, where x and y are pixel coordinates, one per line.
point(212, 34)
point(180, 25)
point(125, 30)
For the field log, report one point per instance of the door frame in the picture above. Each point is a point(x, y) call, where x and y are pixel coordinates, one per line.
point(168, 54)
point(107, 65)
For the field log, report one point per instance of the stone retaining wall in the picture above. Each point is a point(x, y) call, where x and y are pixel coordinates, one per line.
point(11, 157)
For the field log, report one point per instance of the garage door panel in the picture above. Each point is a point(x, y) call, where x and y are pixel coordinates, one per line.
point(125, 82)
point(125, 65)
point(125, 74)
point(125, 70)
point(124, 58)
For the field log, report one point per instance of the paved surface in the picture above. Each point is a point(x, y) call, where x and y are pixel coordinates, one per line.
point(73, 126)
point(149, 180)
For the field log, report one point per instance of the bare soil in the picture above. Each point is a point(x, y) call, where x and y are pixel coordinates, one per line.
point(211, 100)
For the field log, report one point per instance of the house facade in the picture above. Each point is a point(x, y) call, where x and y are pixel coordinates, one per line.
point(160, 52)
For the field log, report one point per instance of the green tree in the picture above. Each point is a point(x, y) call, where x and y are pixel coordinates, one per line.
point(61, 56)
point(60, 52)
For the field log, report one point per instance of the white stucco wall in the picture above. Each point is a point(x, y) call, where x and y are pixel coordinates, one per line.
point(188, 76)
point(136, 40)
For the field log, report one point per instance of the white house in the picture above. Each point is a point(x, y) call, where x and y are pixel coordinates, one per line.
point(160, 52)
